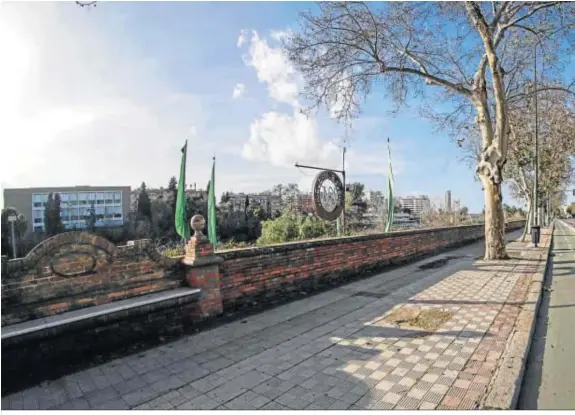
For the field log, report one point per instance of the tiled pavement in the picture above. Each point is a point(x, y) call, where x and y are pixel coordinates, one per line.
point(330, 351)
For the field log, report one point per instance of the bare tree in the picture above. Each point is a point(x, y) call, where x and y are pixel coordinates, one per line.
point(556, 148)
point(466, 49)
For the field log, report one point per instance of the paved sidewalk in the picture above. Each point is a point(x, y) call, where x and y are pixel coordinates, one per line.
point(335, 350)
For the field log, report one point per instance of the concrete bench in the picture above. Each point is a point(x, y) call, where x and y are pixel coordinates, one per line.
point(97, 315)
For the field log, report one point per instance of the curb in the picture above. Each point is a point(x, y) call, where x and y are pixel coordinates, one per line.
point(505, 388)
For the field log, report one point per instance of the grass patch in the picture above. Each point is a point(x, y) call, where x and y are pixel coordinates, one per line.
point(429, 319)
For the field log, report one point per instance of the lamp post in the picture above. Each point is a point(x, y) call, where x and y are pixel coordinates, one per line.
point(536, 214)
point(536, 184)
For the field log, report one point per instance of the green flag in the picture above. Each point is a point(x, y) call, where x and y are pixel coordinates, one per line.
point(389, 192)
point(182, 225)
point(212, 207)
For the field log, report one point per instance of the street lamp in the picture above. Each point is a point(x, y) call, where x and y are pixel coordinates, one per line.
point(535, 214)
point(12, 219)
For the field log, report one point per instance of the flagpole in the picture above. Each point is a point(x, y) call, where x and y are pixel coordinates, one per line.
point(181, 224)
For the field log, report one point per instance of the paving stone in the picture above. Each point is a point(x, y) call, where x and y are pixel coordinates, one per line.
point(112, 405)
point(202, 402)
point(339, 405)
point(188, 391)
point(130, 385)
point(140, 396)
point(226, 392)
point(350, 397)
point(248, 400)
point(168, 384)
point(76, 404)
point(285, 398)
point(274, 406)
point(101, 396)
point(433, 397)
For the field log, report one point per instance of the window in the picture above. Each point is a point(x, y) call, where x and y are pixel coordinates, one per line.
point(83, 198)
point(38, 216)
point(117, 197)
point(73, 199)
point(38, 228)
point(109, 198)
point(37, 200)
point(115, 212)
point(65, 214)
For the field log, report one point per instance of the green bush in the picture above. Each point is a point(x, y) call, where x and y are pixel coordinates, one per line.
point(283, 229)
point(293, 227)
point(311, 228)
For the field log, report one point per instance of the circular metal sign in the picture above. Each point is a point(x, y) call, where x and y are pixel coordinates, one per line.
point(328, 195)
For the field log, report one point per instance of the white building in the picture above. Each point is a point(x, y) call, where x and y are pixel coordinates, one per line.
point(111, 205)
point(416, 204)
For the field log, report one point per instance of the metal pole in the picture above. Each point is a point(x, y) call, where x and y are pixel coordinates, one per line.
point(344, 193)
point(535, 196)
point(535, 220)
point(14, 248)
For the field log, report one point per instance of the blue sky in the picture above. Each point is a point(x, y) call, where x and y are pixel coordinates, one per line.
point(107, 96)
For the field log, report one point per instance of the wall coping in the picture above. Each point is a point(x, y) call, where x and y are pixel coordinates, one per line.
point(146, 246)
point(292, 246)
point(91, 313)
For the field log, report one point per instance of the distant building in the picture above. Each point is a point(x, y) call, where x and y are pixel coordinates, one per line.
point(269, 203)
point(416, 204)
point(112, 203)
point(448, 201)
point(374, 198)
point(305, 202)
point(456, 205)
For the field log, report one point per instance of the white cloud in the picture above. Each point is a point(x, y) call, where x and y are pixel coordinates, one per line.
point(239, 91)
point(242, 38)
point(279, 35)
point(273, 68)
point(281, 139)
point(284, 139)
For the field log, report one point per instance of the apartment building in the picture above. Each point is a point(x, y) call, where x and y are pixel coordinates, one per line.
point(416, 204)
point(112, 205)
point(269, 203)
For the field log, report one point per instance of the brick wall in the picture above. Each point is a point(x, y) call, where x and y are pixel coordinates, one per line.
point(264, 273)
point(76, 269)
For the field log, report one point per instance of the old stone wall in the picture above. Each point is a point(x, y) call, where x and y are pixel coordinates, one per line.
point(76, 269)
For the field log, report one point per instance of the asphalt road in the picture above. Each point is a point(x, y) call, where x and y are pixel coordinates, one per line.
point(549, 381)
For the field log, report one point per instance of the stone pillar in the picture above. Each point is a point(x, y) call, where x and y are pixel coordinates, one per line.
point(203, 271)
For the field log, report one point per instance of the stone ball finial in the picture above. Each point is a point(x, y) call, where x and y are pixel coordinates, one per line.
point(198, 223)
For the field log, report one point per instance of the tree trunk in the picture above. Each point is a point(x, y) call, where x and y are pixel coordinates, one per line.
point(527, 228)
point(494, 221)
